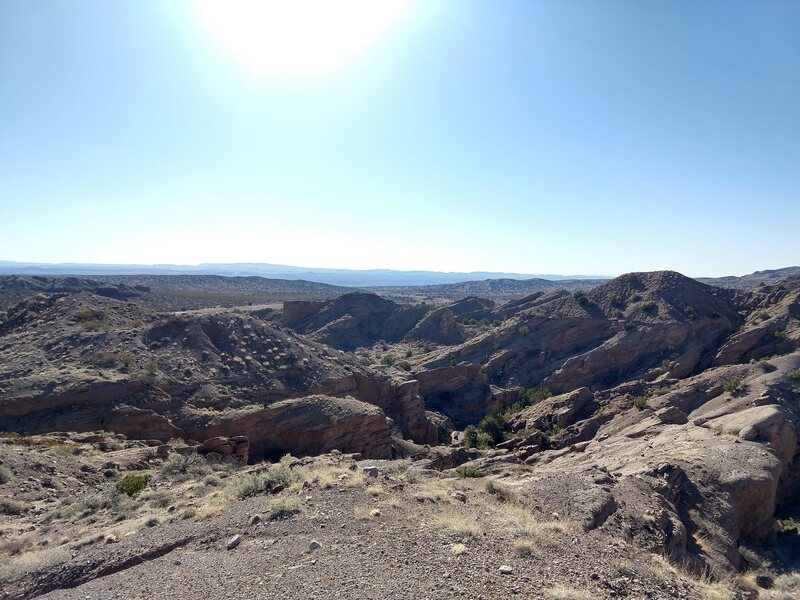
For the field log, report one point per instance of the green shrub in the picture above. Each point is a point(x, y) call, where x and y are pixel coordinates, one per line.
point(534, 395)
point(781, 334)
point(767, 366)
point(453, 362)
point(648, 306)
point(689, 311)
point(409, 353)
point(475, 438)
point(640, 402)
point(794, 375)
point(490, 431)
point(467, 472)
point(405, 365)
point(524, 330)
point(581, 297)
point(132, 484)
point(388, 360)
point(732, 386)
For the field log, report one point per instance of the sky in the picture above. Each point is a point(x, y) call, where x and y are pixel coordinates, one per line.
point(529, 136)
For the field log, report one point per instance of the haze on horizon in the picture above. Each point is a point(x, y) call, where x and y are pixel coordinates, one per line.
point(512, 136)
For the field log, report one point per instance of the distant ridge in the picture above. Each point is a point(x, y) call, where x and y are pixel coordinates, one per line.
point(339, 277)
point(759, 278)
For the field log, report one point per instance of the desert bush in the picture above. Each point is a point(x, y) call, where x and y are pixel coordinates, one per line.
point(184, 467)
point(581, 297)
point(640, 402)
point(132, 484)
point(795, 375)
point(5, 474)
point(524, 330)
point(767, 366)
point(491, 429)
point(159, 499)
point(113, 359)
point(689, 311)
point(388, 360)
point(13, 507)
point(405, 365)
point(502, 492)
point(468, 472)
point(648, 306)
point(732, 386)
point(284, 473)
point(283, 508)
point(781, 334)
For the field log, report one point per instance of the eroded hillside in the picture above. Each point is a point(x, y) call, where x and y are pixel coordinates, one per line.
point(651, 411)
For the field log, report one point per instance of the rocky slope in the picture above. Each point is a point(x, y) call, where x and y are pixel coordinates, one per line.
point(673, 425)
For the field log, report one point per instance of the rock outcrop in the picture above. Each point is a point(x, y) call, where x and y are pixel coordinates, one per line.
point(310, 425)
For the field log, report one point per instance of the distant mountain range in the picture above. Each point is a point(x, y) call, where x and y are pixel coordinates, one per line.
point(340, 277)
point(452, 284)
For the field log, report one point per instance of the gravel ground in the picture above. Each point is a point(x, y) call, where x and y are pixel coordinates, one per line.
point(401, 553)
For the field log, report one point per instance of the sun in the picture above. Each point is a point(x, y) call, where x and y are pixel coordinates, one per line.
point(297, 37)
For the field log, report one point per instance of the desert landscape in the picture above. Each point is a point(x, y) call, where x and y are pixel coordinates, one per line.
point(634, 438)
point(399, 300)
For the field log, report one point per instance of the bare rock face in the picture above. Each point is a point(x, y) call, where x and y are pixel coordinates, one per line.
point(461, 392)
point(352, 320)
point(691, 475)
point(558, 411)
point(439, 326)
point(310, 425)
point(401, 400)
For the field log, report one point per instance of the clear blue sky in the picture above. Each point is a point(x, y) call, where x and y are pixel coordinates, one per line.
point(530, 136)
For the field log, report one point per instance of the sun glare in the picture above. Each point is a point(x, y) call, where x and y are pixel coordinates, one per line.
point(297, 37)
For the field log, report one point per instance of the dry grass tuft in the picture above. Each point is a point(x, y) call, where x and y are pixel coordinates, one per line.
point(563, 592)
point(520, 521)
point(461, 524)
point(374, 490)
point(458, 549)
point(365, 513)
point(525, 547)
point(31, 562)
